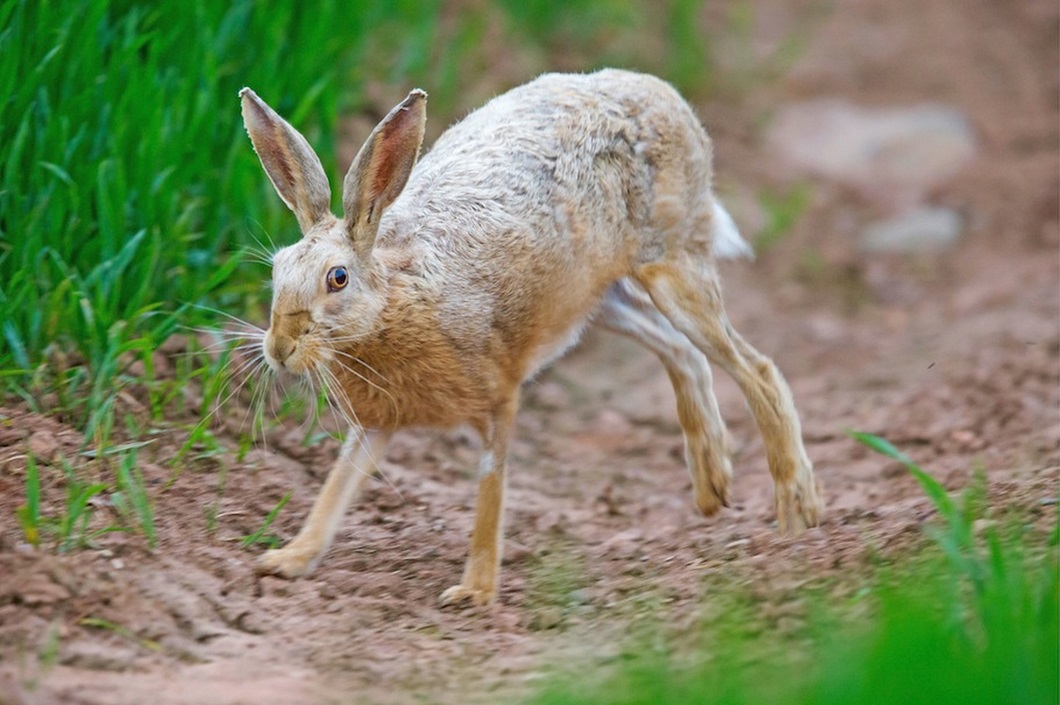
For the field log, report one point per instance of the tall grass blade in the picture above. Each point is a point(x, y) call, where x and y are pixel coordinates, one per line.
point(29, 513)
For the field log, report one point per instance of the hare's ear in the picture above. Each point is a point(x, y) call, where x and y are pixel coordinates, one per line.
point(381, 169)
point(292, 165)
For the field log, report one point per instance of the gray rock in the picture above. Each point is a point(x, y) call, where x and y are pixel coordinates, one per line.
point(579, 597)
point(918, 230)
point(892, 155)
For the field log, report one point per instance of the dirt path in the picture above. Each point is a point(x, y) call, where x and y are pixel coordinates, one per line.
point(952, 356)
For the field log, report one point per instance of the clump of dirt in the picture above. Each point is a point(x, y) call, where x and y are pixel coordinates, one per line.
point(953, 356)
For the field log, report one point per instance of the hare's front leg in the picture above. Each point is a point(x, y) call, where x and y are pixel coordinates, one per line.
point(479, 584)
point(355, 464)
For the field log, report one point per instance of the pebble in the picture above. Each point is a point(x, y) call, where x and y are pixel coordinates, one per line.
point(893, 155)
point(550, 395)
point(919, 230)
point(43, 445)
point(579, 597)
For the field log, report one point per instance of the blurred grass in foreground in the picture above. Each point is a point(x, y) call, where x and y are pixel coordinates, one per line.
point(974, 621)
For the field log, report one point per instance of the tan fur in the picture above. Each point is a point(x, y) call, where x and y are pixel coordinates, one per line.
point(569, 197)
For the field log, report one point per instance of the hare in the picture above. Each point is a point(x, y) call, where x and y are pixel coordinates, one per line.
point(450, 281)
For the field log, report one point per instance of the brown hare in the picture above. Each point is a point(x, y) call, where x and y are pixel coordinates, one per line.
point(450, 281)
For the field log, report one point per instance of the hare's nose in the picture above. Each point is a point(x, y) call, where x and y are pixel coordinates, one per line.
point(280, 348)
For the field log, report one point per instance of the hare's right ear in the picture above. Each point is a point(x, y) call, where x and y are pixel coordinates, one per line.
point(292, 165)
point(381, 169)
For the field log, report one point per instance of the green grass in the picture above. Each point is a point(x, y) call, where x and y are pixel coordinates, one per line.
point(782, 211)
point(973, 620)
point(29, 513)
point(69, 528)
point(132, 501)
point(259, 537)
point(72, 523)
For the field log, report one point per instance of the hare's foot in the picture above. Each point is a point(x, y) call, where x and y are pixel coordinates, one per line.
point(798, 504)
point(711, 477)
point(461, 594)
point(291, 561)
point(713, 495)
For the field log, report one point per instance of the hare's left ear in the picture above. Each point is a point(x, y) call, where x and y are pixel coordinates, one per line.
point(292, 165)
point(381, 169)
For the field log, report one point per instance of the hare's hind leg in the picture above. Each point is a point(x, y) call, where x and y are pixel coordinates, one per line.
point(356, 462)
point(479, 583)
point(628, 310)
point(688, 293)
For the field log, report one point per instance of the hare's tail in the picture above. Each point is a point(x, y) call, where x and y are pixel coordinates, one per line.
point(728, 244)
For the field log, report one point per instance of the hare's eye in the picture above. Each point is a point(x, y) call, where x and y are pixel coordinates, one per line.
point(338, 278)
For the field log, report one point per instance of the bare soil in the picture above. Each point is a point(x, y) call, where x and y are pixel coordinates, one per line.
point(951, 356)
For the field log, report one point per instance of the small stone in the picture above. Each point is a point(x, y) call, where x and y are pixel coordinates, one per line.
point(550, 395)
point(43, 445)
point(579, 597)
point(612, 422)
point(98, 656)
point(918, 230)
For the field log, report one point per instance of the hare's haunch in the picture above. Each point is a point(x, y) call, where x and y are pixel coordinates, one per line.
point(449, 282)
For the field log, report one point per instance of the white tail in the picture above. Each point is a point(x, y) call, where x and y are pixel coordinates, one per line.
point(728, 244)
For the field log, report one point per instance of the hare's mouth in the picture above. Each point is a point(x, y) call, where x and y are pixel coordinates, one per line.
point(285, 354)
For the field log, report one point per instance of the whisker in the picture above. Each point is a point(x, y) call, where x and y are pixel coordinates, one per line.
point(306, 387)
point(364, 379)
point(351, 337)
point(218, 406)
point(229, 316)
point(359, 428)
point(222, 340)
point(364, 364)
point(228, 334)
point(331, 386)
point(260, 255)
point(272, 245)
point(257, 405)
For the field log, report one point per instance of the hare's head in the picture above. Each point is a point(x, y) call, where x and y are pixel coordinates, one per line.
point(328, 289)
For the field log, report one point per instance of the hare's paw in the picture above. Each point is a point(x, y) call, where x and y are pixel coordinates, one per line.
point(711, 473)
point(461, 595)
point(712, 488)
point(798, 505)
point(291, 561)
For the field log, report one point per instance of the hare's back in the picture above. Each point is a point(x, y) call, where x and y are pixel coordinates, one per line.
point(523, 214)
point(563, 155)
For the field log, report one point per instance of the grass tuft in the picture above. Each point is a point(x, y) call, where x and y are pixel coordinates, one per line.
point(259, 537)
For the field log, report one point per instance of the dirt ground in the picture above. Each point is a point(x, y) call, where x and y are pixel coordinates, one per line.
point(952, 356)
